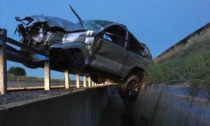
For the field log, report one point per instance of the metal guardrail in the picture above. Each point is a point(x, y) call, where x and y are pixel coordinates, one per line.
point(8, 52)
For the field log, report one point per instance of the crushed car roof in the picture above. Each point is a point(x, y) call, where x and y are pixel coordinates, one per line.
point(66, 25)
point(96, 24)
point(53, 22)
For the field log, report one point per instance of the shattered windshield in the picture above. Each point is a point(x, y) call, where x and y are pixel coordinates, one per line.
point(95, 24)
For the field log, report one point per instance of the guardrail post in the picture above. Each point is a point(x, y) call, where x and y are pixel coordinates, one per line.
point(46, 75)
point(84, 81)
point(89, 82)
point(93, 84)
point(67, 82)
point(3, 62)
point(77, 80)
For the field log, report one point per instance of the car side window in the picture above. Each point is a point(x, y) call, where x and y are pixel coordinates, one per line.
point(136, 47)
point(115, 34)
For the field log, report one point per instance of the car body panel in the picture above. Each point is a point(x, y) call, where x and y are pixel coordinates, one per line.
point(105, 59)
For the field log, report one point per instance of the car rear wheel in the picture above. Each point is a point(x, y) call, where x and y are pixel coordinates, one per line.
point(129, 89)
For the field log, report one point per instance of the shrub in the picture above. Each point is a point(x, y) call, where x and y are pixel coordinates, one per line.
point(17, 71)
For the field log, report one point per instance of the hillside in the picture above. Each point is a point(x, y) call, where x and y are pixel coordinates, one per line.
point(187, 62)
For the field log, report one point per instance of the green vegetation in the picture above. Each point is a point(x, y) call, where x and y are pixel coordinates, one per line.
point(17, 71)
point(12, 77)
point(191, 65)
point(23, 78)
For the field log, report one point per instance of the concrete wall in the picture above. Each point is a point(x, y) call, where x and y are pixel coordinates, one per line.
point(81, 108)
point(160, 105)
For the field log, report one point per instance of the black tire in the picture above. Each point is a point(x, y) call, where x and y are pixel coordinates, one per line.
point(97, 79)
point(130, 89)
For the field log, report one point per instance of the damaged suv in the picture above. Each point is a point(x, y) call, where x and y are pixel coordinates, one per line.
point(98, 48)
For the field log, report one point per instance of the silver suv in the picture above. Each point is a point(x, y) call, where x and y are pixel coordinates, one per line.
point(101, 49)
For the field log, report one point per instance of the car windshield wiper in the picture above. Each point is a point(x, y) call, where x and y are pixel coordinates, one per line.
point(80, 20)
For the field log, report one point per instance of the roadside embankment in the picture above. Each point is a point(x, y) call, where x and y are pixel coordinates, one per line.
point(163, 105)
point(79, 108)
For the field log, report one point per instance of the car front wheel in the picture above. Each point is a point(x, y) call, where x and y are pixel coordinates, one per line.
point(129, 89)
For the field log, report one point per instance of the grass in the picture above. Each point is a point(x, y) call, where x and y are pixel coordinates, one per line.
point(191, 65)
point(28, 78)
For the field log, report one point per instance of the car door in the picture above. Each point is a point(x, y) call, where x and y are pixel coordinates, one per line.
point(138, 55)
point(109, 50)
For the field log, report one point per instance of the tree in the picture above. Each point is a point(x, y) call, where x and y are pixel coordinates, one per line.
point(17, 71)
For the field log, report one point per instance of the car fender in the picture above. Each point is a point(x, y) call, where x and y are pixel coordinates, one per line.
point(73, 45)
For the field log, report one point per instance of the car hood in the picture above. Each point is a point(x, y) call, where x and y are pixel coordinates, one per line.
point(53, 22)
point(95, 25)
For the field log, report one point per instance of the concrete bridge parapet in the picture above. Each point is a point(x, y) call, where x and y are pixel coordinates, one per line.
point(79, 108)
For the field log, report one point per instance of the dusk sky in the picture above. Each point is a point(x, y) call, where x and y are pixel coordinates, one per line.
point(157, 23)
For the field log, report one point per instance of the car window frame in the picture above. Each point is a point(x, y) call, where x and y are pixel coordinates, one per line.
point(124, 38)
point(142, 52)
